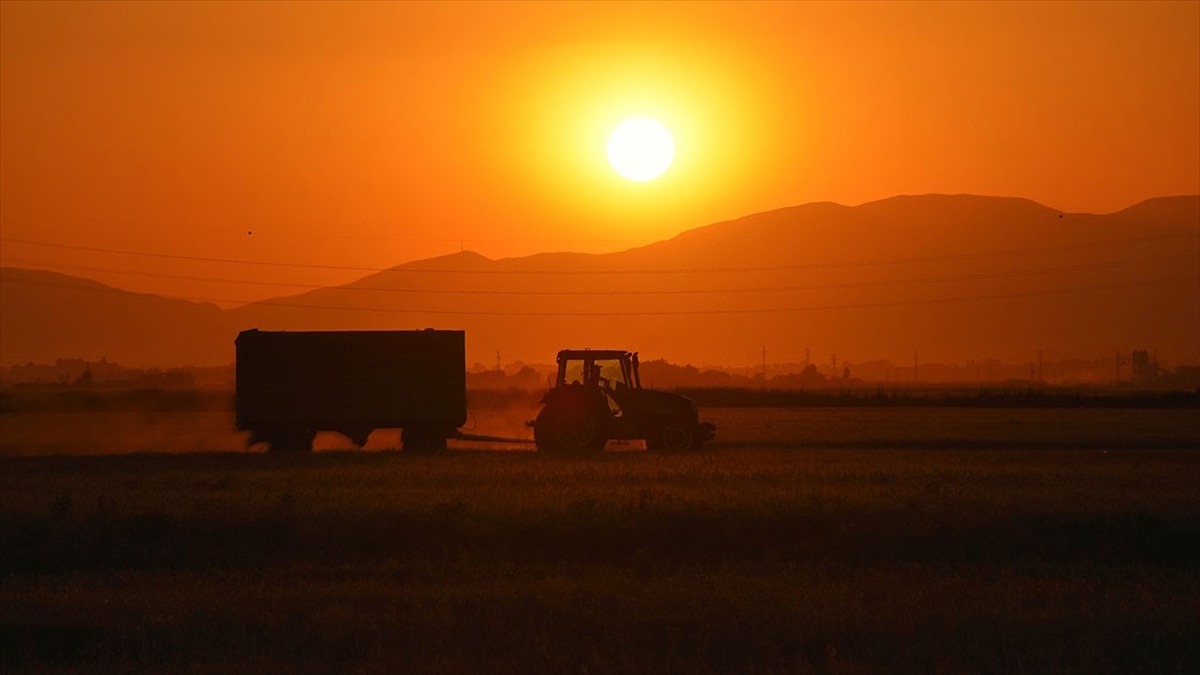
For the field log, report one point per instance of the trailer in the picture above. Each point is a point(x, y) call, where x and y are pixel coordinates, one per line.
point(292, 384)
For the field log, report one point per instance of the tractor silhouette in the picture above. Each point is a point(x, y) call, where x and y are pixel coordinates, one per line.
point(598, 396)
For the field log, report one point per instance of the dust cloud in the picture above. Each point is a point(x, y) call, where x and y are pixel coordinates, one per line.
point(33, 433)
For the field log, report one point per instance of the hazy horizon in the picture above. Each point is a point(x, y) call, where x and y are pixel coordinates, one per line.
point(124, 282)
point(957, 278)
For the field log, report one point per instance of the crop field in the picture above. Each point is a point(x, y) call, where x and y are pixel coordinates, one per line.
point(81, 432)
point(847, 540)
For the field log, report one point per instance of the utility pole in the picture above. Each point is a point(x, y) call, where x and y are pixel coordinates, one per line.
point(498, 360)
point(764, 365)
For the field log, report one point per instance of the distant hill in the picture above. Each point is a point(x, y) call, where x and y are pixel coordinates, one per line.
point(46, 315)
point(953, 277)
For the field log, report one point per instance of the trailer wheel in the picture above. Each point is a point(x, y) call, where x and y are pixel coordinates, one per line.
point(572, 428)
point(357, 436)
point(423, 439)
point(291, 441)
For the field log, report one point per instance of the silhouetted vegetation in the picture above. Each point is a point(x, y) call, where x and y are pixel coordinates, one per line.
point(107, 374)
point(114, 400)
point(984, 397)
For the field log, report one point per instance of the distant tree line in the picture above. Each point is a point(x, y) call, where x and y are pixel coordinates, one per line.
point(75, 373)
point(83, 374)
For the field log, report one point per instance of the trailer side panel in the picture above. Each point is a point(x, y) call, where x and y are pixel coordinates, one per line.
point(332, 380)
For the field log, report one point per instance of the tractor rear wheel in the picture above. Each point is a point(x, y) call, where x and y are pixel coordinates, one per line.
point(573, 429)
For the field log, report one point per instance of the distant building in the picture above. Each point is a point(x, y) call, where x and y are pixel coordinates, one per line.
point(1187, 377)
point(1145, 371)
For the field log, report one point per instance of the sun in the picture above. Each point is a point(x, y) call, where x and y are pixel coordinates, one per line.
point(640, 149)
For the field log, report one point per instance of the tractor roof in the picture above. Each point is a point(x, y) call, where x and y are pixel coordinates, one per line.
point(595, 354)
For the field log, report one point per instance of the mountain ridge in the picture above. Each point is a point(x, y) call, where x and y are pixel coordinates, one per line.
point(959, 276)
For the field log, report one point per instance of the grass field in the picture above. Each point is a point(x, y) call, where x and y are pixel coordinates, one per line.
point(824, 541)
point(122, 432)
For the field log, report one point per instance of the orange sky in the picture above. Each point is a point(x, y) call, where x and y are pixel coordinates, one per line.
point(373, 134)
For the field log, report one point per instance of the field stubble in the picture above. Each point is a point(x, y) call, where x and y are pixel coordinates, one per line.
point(122, 432)
point(1002, 541)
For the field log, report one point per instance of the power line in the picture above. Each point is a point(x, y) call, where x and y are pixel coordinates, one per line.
point(760, 289)
point(775, 268)
point(160, 275)
point(763, 310)
point(259, 232)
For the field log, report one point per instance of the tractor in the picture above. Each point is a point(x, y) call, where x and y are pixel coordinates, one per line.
point(598, 396)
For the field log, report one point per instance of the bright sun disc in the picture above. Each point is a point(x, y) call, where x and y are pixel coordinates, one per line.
point(640, 149)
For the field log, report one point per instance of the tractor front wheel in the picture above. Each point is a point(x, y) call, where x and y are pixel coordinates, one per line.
point(675, 437)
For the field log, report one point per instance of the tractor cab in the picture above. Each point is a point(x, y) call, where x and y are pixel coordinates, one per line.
point(605, 368)
point(598, 396)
